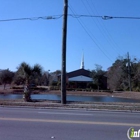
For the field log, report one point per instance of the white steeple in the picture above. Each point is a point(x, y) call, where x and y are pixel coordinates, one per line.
point(82, 62)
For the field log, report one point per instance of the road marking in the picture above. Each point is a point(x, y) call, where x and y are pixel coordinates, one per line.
point(69, 122)
point(57, 113)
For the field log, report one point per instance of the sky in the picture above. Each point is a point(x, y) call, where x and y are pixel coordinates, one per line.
point(40, 41)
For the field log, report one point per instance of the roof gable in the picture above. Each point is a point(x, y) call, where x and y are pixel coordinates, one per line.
point(79, 72)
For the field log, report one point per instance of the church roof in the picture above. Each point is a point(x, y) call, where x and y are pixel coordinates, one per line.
point(79, 72)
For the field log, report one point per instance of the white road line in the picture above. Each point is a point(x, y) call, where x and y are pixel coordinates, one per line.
point(57, 113)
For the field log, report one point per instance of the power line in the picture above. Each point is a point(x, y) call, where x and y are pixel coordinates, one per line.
point(33, 18)
point(111, 17)
point(80, 16)
point(103, 30)
point(95, 21)
point(91, 37)
point(105, 17)
point(74, 16)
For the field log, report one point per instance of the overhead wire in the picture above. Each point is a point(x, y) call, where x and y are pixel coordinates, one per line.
point(33, 18)
point(99, 27)
point(108, 35)
point(55, 17)
point(89, 34)
point(105, 17)
point(72, 15)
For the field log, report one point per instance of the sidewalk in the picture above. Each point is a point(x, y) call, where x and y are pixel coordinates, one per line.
point(132, 107)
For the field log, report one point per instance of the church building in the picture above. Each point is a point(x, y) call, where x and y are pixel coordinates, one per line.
point(79, 78)
point(82, 79)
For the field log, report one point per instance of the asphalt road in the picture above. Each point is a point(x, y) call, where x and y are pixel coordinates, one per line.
point(59, 124)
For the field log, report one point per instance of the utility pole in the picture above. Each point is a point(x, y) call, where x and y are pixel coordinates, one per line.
point(64, 38)
point(129, 71)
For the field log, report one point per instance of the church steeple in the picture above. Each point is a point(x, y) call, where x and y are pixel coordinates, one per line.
point(82, 62)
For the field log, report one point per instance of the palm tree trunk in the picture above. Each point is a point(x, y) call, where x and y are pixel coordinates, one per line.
point(27, 92)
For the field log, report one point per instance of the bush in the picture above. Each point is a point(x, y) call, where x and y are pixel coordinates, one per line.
point(92, 86)
point(54, 88)
point(17, 87)
point(54, 83)
point(71, 89)
point(137, 89)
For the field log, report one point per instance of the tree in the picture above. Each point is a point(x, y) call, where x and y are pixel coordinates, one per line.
point(54, 77)
point(29, 75)
point(36, 74)
point(118, 74)
point(135, 76)
point(6, 77)
point(45, 79)
point(98, 76)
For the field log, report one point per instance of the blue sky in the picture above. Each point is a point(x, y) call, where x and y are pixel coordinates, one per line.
point(40, 41)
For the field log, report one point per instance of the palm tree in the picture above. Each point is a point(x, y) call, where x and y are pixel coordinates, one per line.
point(28, 73)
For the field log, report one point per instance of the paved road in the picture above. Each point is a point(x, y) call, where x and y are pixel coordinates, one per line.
point(46, 124)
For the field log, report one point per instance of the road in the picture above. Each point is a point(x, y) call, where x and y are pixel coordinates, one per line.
point(59, 124)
